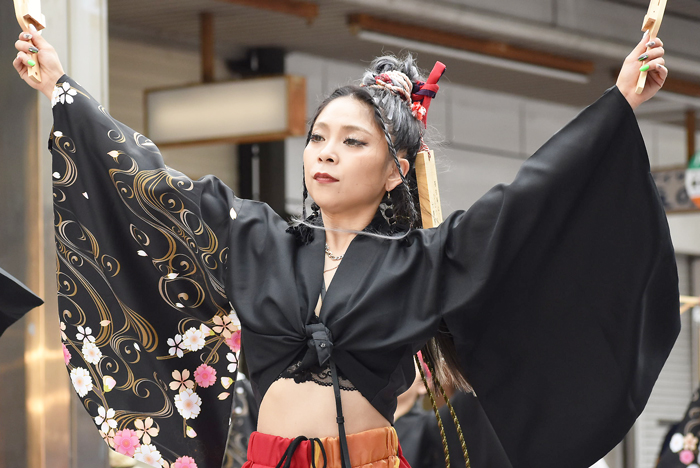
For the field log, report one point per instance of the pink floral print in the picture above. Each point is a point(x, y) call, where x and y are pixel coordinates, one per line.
point(205, 376)
point(184, 462)
point(66, 354)
point(126, 442)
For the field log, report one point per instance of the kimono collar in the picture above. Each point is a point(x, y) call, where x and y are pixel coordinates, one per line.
point(305, 235)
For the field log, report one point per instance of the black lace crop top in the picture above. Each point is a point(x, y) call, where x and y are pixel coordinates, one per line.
point(317, 374)
point(320, 375)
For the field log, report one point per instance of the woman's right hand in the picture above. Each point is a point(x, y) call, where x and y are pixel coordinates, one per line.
point(49, 63)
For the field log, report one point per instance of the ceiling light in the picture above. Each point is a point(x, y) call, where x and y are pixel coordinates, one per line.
point(244, 111)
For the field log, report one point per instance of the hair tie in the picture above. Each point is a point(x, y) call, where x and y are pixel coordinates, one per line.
point(416, 95)
point(395, 82)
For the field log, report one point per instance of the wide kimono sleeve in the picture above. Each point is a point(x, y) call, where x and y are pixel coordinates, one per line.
point(561, 292)
point(149, 337)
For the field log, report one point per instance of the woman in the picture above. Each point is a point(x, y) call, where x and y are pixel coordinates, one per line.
point(558, 293)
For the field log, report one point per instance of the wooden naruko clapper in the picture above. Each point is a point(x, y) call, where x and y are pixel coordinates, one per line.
point(29, 12)
point(652, 23)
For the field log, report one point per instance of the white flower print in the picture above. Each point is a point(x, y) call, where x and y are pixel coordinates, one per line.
point(676, 444)
point(84, 334)
point(145, 430)
point(63, 332)
point(188, 404)
point(181, 381)
point(91, 353)
point(193, 339)
point(81, 380)
point(176, 346)
point(149, 455)
point(63, 94)
point(105, 419)
point(233, 366)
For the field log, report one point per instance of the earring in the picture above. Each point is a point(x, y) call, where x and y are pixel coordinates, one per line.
point(387, 210)
point(315, 210)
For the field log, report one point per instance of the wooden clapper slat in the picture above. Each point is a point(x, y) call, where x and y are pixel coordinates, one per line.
point(29, 12)
point(428, 190)
point(652, 23)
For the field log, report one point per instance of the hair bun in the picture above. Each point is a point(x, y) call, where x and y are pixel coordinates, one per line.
point(406, 65)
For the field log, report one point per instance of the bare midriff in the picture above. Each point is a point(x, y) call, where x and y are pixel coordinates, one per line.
point(291, 409)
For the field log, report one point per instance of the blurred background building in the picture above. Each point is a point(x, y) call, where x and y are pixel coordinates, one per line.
point(518, 70)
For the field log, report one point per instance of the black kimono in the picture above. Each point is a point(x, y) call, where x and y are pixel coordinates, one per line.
point(560, 292)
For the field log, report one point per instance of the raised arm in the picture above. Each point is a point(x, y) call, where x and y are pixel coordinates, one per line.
point(560, 289)
point(149, 337)
point(49, 62)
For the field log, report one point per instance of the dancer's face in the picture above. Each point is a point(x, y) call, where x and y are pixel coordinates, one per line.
point(347, 166)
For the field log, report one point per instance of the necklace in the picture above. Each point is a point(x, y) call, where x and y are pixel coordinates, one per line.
point(330, 269)
point(335, 258)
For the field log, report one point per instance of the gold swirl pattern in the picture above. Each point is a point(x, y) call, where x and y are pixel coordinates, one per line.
point(110, 265)
point(139, 236)
point(144, 143)
point(146, 326)
point(63, 146)
point(194, 235)
point(115, 134)
point(59, 195)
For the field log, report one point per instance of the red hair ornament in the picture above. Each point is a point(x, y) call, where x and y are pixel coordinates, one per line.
point(424, 92)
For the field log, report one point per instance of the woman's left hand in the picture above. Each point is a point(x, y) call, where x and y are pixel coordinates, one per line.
point(657, 73)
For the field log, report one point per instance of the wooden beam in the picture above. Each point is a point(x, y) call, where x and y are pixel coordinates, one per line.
point(206, 39)
point(679, 86)
point(690, 132)
point(296, 105)
point(672, 85)
point(364, 22)
point(300, 8)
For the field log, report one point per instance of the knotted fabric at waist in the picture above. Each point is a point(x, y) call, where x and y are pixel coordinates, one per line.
point(320, 343)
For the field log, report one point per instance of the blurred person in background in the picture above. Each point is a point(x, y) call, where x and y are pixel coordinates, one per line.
point(680, 446)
